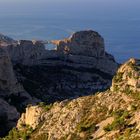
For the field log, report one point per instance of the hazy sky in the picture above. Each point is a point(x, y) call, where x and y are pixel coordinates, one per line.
point(117, 8)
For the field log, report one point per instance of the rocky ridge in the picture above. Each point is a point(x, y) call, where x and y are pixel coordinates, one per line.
point(113, 114)
point(29, 73)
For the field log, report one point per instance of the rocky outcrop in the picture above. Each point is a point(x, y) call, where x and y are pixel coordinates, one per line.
point(106, 115)
point(128, 77)
point(32, 117)
point(87, 49)
point(86, 43)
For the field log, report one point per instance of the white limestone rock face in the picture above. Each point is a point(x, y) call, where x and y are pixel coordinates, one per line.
point(32, 117)
point(87, 43)
point(26, 52)
point(87, 47)
point(83, 48)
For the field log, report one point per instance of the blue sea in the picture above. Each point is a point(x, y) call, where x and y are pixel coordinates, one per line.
point(120, 32)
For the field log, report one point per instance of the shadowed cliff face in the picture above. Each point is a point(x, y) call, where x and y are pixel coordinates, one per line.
point(29, 73)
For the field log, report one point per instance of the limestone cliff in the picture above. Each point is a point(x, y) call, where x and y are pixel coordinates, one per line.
point(110, 115)
point(87, 43)
point(29, 73)
point(88, 50)
point(78, 66)
point(26, 52)
point(10, 88)
point(13, 97)
point(8, 117)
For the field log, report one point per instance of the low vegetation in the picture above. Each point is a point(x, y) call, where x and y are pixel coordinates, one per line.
point(119, 122)
point(16, 134)
point(44, 106)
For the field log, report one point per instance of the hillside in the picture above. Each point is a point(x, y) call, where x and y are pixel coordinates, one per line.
point(110, 115)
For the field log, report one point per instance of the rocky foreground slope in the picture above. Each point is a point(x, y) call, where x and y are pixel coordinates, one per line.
point(29, 73)
point(110, 115)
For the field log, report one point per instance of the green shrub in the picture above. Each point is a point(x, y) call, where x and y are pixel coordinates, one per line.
point(15, 134)
point(128, 90)
point(87, 127)
point(118, 78)
point(116, 124)
point(130, 74)
point(116, 88)
point(43, 136)
point(109, 127)
point(41, 104)
point(119, 121)
point(46, 107)
point(134, 107)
